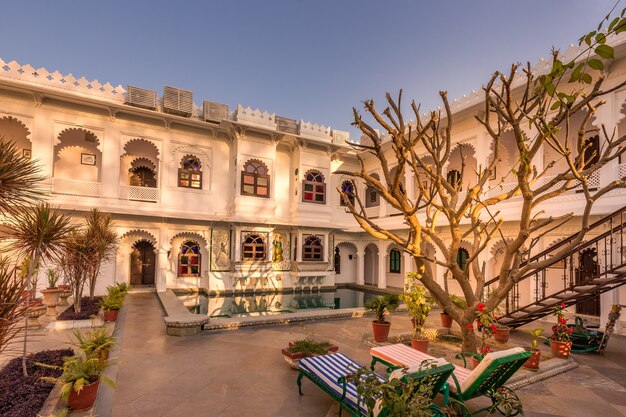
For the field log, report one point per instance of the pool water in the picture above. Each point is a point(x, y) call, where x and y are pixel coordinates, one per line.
point(273, 303)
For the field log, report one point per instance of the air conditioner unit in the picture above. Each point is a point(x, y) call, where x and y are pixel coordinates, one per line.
point(287, 125)
point(140, 97)
point(177, 101)
point(214, 112)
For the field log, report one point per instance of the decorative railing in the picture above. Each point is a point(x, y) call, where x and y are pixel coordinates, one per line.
point(621, 170)
point(134, 193)
point(75, 187)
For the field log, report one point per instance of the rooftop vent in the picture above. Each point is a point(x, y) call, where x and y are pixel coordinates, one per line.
point(287, 125)
point(214, 112)
point(177, 101)
point(139, 97)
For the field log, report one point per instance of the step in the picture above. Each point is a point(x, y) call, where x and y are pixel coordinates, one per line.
point(602, 280)
point(566, 294)
point(518, 314)
point(533, 308)
point(621, 270)
point(505, 320)
point(548, 301)
point(584, 288)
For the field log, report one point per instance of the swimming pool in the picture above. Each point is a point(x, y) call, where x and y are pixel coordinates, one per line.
point(273, 303)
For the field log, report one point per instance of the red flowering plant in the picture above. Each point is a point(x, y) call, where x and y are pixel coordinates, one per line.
point(486, 323)
point(561, 332)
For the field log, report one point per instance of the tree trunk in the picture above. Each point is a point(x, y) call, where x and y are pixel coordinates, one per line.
point(469, 339)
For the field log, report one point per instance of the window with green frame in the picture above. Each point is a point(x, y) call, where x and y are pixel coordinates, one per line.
point(461, 257)
point(394, 261)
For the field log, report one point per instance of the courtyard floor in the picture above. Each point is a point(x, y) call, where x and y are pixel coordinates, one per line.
point(242, 373)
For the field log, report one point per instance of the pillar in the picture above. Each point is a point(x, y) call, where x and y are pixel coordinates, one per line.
point(382, 265)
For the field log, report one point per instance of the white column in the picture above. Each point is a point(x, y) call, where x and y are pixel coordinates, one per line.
point(360, 266)
point(110, 166)
point(382, 265)
point(161, 269)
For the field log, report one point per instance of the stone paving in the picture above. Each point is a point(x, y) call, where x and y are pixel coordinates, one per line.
point(242, 373)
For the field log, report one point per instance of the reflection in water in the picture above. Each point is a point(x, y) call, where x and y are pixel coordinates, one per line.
point(276, 303)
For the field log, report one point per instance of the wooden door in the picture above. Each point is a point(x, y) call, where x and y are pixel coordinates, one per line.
point(588, 269)
point(142, 260)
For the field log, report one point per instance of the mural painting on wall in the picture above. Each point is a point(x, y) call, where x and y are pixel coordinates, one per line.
point(280, 252)
point(220, 250)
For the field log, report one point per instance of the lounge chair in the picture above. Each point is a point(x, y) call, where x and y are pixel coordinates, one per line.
point(490, 375)
point(329, 373)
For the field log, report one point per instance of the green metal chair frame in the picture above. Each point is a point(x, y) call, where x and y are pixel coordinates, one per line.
point(492, 378)
point(440, 375)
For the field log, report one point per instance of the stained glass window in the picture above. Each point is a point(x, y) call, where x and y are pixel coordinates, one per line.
point(190, 173)
point(189, 259)
point(255, 179)
point(314, 188)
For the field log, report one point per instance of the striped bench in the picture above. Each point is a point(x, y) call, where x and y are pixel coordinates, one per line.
point(329, 372)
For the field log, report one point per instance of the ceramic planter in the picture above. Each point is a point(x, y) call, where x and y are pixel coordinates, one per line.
point(64, 295)
point(35, 310)
point(85, 398)
point(561, 349)
point(110, 315)
point(381, 331)
point(502, 333)
point(293, 359)
point(533, 361)
point(446, 321)
point(420, 344)
point(51, 300)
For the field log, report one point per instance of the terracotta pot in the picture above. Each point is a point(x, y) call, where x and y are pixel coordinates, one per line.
point(110, 315)
point(446, 321)
point(475, 362)
point(85, 398)
point(420, 344)
point(381, 331)
point(533, 361)
point(561, 349)
point(502, 333)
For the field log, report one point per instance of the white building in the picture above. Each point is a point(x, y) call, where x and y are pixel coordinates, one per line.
point(205, 197)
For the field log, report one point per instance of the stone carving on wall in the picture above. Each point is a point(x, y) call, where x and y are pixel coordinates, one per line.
point(220, 250)
point(280, 252)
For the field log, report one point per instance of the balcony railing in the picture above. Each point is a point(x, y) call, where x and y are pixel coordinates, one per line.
point(134, 193)
point(75, 187)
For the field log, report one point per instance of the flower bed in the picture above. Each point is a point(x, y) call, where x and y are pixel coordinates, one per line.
point(24, 396)
point(88, 308)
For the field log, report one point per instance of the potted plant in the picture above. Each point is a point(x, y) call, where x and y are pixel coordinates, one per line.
point(380, 306)
point(81, 379)
point(560, 342)
point(97, 342)
point(111, 304)
point(460, 303)
point(486, 323)
point(51, 294)
point(418, 303)
point(305, 348)
point(533, 361)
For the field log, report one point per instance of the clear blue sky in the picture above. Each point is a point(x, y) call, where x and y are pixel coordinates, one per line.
point(301, 59)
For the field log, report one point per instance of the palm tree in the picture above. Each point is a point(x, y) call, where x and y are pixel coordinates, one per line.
point(11, 309)
point(101, 229)
point(19, 178)
point(38, 232)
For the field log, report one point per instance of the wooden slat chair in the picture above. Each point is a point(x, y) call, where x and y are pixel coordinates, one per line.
point(329, 373)
point(464, 384)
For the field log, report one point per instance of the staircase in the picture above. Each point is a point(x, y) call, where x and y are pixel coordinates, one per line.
point(593, 267)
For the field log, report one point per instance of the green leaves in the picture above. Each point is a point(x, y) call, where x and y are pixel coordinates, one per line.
point(605, 51)
point(595, 64)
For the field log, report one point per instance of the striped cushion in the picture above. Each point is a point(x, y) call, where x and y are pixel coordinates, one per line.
point(329, 368)
point(402, 355)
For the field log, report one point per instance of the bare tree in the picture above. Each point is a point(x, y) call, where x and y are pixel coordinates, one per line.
point(538, 111)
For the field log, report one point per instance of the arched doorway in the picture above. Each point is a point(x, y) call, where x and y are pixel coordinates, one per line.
point(371, 265)
point(588, 269)
point(142, 263)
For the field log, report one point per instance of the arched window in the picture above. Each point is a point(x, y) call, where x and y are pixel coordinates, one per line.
point(314, 188)
point(255, 179)
point(461, 257)
point(394, 261)
point(189, 259)
point(142, 177)
point(592, 150)
point(337, 261)
point(190, 173)
point(312, 249)
point(454, 178)
point(372, 198)
point(253, 248)
point(347, 187)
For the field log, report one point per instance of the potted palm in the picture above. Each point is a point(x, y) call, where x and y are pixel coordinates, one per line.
point(418, 303)
point(81, 379)
point(380, 306)
point(97, 342)
point(533, 361)
point(111, 304)
point(52, 293)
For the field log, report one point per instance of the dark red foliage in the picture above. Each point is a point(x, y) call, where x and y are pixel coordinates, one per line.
point(88, 308)
point(23, 397)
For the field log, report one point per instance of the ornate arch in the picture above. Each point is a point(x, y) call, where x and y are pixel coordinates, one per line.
point(190, 156)
point(142, 161)
point(190, 150)
point(90, 136)
point(349, 243)
point(192, 235)
point(127, 147)
point(19, 123)
point(257, 161)
point(140, 234)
